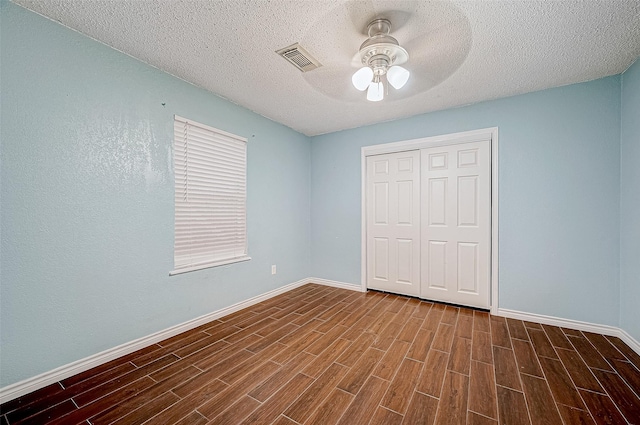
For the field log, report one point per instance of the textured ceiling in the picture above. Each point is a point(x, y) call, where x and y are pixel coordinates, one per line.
point(461, 52)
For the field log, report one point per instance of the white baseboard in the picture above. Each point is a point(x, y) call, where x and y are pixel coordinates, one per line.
point(336, 284)
point(31, 384)
point(572, 324)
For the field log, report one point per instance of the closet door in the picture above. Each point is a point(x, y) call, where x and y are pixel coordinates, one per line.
point(456, 223)
point(393, 222)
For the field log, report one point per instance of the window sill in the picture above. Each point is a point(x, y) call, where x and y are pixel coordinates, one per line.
point(202, 266)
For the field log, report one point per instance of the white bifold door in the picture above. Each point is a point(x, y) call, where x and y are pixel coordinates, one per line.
point(429, 223)
point(393, 222)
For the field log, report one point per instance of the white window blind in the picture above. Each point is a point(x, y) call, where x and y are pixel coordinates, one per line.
point(211, 189)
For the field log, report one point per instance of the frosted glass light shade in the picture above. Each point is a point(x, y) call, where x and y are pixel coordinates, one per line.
point(362, 78)
point(375, 92)
point(397, 76)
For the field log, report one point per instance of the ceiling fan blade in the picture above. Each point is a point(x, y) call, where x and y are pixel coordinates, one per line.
point(335, 82)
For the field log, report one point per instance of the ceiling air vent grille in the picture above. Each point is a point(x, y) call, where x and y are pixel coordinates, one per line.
point(299, 57)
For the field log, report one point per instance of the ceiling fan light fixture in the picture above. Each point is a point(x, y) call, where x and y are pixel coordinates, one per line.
point(375, 92)
point(380, 54)
point(397, 76)
point(362, 78)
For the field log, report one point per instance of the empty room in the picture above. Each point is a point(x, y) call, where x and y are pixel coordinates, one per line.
point(298, 212)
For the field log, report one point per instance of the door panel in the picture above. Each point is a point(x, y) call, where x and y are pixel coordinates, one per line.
point(393, 222)
point(456, 231)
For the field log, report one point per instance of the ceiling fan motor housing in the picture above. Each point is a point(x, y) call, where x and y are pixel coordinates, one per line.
point(380, 50)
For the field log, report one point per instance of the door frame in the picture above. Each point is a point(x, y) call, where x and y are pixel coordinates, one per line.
point(430, 142)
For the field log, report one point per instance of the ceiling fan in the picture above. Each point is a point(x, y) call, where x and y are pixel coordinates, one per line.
point(409, 45)
point(381, 55)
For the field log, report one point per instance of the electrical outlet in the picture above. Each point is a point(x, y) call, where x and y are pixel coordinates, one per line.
point(273, 269)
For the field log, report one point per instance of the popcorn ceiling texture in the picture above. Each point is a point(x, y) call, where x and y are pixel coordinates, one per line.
point(463, 51)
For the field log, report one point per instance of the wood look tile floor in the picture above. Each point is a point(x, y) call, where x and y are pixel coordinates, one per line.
point(321, 355)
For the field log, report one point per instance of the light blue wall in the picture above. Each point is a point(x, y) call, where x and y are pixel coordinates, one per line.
point(630, 203)
point(87, 199)
point(559, 194)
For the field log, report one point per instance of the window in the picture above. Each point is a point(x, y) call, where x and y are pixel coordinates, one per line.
point(211, 197)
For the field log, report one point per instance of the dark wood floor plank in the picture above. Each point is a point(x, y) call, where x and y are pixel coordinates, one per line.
point(541, 344)
point(279, 379)
point(99, 374)
point(421, 345)
point(560, 383)
point(386, 417)
point(332, 409)
point(450, 315)
point(283, 420)
point(517, 329)
point(279, 401)
point(571, 332)
point(589, 354)
point(408, 333)
point(384, 340)
point(512, 408)
point(194, 418)
point(557, 337)
point(629, 373)
point(506, 370)
point(182, 408)
point(432, 321)
point(330, 336)
point(526, 358)
point(122, 395)
point(364, 404)
point(208, 360)
point(308, 401)
point(476, 419)
point(631, 355)
point(121, 406)
point(482, 390)
point(604, 347)
point(223, 399)
point(296, 347)
point(236, 412)
point(481, 321)
point(500, 332)
point(422, 410)
point(53, 391)
point(113, 385)
point(351, 355)
point(244, 367)
point(326, 357)
point(572, 416)
point(149, 410)
point(540, 401)
point(356, 377)
point(433, 372)
point(443, 338)
point(464, 327)
point(602, 409)
point(422, 310)
point(532, 325)
point(481, 347)
point(579, 371)
point(388, 365)
point(399, 393)
point(454, 399)
point(460, 358)
point(623, 397)
point(44, 416)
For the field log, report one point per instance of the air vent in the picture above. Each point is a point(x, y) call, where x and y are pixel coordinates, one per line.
point(299, 57)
